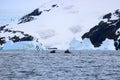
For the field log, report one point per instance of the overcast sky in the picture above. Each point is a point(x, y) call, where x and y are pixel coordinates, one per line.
point(15, 8)
point(28, 5)
point(19, 4)
point(18, 7)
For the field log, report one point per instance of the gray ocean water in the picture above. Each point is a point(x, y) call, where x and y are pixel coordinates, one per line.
point(78, 65)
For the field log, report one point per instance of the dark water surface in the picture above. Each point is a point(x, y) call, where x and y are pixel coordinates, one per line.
point(78, 65)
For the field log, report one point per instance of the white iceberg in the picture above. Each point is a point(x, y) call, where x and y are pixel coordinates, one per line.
point(23, 45)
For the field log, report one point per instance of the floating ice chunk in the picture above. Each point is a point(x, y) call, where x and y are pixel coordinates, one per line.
point(23, 45)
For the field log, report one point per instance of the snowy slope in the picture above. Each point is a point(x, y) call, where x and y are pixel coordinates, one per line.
point(56, 22)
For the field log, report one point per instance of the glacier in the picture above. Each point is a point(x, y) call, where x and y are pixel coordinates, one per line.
point(83, 45)
point(86, 45)
point(23, 45)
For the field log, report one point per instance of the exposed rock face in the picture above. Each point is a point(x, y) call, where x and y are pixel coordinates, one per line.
point(25, 38)
point(15, 38)
point(2, 40)
point(55, 5)
point(106, 30)
point(29, 17)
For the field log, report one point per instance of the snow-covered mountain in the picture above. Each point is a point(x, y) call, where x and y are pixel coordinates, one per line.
point(108, 28)
point(62, 24)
